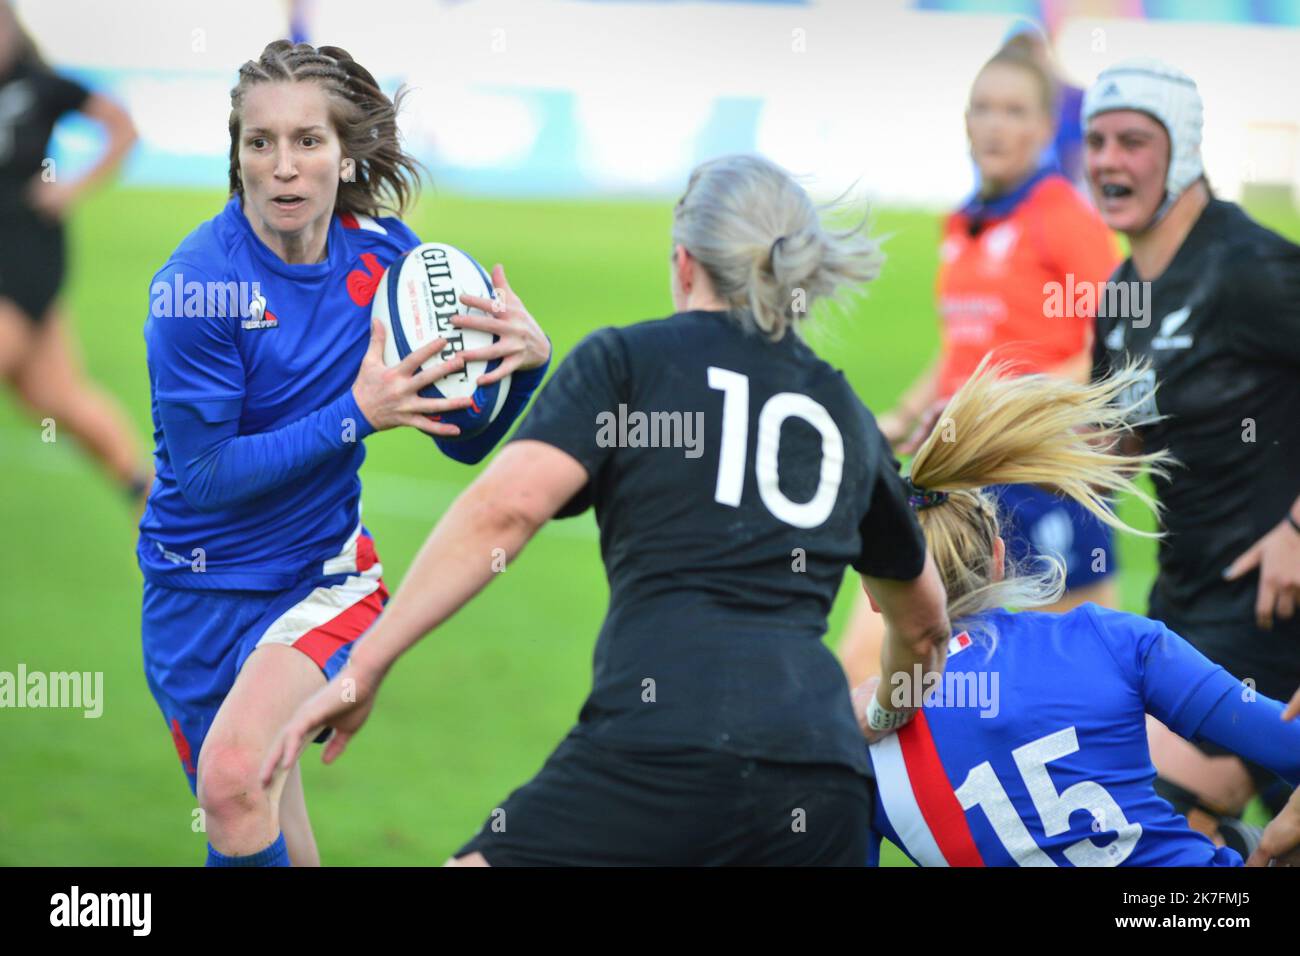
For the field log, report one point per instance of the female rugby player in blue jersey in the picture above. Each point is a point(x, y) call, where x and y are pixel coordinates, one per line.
point(258, 572)
point(1032, 749)
point(719, 728)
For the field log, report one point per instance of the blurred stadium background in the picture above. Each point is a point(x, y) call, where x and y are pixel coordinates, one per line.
point(557, 135)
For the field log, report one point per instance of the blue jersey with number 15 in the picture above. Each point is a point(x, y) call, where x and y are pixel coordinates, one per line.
point(1032, 749)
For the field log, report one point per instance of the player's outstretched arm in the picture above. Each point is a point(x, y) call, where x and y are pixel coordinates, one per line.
point(55, 197)
point(916, 633)
point(1197, 698)
point(519, 492)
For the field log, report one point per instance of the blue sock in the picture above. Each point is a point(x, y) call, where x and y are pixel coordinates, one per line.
point(277, 854)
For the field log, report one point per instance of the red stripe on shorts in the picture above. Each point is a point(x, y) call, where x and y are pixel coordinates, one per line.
point(366, 557)
point(321, 642)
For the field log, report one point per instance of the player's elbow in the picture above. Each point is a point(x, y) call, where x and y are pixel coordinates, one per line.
point(125, 134)
point(505, 510)
point(926, 627)
point(920, 634)
point(201, 500)
point(203, 495)
point(929, 608)
point(915, 612)
point(928, 638)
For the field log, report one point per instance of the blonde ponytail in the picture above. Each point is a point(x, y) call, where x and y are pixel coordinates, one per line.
point(1030, 429)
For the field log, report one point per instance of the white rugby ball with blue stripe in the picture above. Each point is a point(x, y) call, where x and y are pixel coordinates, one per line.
point(416, 299)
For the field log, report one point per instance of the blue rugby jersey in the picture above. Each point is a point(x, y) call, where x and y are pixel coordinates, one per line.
point(242, 341)
point(1034, 753)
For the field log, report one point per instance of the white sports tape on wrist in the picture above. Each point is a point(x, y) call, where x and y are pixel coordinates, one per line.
point(880, 719)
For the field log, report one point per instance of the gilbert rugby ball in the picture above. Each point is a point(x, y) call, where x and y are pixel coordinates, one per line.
point(416, 299)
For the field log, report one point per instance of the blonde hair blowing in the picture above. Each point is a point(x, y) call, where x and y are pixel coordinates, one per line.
point(1031, 429)
point(760, 239)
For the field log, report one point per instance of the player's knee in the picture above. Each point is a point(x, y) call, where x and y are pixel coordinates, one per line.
point(1180, 798)
point(228, 785)
point(1236, 792)
point(1225, 798)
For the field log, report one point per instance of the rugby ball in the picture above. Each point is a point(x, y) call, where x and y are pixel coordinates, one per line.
point(415, 300)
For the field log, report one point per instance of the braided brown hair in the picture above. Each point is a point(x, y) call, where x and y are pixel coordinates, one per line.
point(386, 178)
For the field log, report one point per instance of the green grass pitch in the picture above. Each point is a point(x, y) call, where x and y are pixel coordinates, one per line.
point(475, 709)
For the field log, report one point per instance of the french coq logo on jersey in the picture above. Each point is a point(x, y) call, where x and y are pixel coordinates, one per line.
point(259, 316)
point(362, 283)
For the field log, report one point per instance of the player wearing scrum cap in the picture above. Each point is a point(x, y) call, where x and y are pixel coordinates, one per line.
point(1222, 336)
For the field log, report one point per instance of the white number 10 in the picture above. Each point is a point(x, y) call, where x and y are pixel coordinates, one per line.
point(735, 442)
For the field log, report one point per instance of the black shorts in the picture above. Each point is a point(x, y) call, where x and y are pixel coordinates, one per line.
point(597, 805)
point(32, 259)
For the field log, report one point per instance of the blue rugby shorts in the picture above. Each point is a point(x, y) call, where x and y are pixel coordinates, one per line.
point(196, 641)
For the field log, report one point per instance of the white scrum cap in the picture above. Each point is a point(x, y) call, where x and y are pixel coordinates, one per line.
point(1168, 95)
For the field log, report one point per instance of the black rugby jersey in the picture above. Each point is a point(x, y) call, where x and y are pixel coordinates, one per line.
point(734, 480)
point(32, 98)
point(1223, 339)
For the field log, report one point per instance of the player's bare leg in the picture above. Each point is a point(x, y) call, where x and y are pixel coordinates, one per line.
point(51, 380)
point(295, 823)
point(1221, 784)
point(469, 859)
point(242, 818)
point(16, 334)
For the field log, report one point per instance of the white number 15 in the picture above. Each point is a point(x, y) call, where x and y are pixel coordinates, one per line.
point(983, 789)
